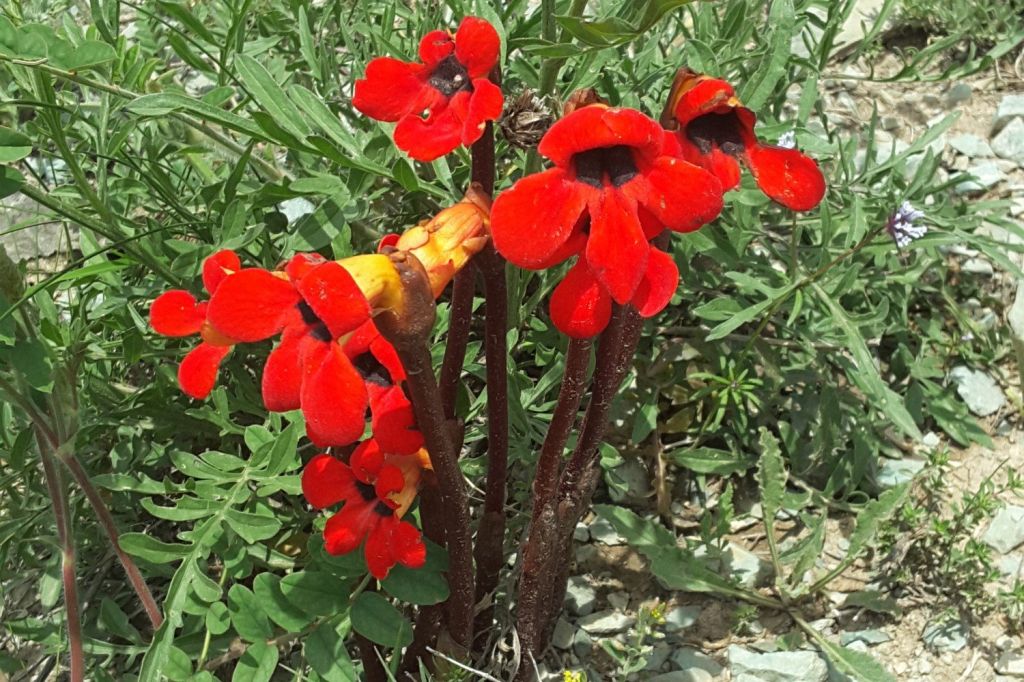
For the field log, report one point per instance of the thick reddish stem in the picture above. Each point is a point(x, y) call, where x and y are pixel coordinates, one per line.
point(460, 316)
point(55, 488)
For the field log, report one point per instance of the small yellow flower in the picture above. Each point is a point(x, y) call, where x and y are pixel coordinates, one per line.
point(572, 676)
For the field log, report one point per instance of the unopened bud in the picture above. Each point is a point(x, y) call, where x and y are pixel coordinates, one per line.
point(525, 120)
point(412, 321)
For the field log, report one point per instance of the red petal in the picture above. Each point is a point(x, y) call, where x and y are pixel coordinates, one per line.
point(388, 356)
point(535, 217)
point(787, 176)
point(389, 480)
point(335, 298)
point(394, 423)
point(301, 264)
point(176, 313)
point(658, 285)
point(346, 529)
point(379, 557)
point(723, 166)
point(435, 46)
point(407, 545)
point(680, 195)
point(282, 374)
point(366, 461)
point(431, 138)
point(598, 126)
point(580, 306)
point(388, 241)
point(327, 482)
point(617, 249)
point(218, 266)
point(197, 372)
point(251, 305)
point(390, 89)
point(485, 104)
point(477, 46)
point(705, 96)
point(334, 401)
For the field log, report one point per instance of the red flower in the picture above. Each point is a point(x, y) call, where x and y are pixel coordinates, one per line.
point(443, 102)
point(614, 187)
point(177, 313)
point(376, 490)
point(716, 131)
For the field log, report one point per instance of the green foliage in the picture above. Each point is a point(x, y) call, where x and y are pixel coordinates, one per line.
point(983, 22)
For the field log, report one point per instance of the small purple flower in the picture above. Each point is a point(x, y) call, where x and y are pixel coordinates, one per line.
point(901, 225)
point(787, 140)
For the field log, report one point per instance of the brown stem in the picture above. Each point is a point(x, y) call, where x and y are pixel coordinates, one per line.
point(423, 390)
point(107, 521)
point(537, 554)
point(428, 620)
point(55, 487)
point(490, 539)
point(459, 317)
point(373, 669)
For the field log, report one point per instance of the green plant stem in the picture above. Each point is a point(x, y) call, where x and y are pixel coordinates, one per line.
point(55, 487)
point(225, 141)
point(208, 636)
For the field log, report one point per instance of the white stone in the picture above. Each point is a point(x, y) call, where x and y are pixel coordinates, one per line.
point(985, 176)
point(1009, 107)
point(697, 663)
point(619, 600)
point(779, 666)
point(894, 472)
point(681, 617)
point(971, 146)
point(604, 532)
point(1009, 143)
point(1011, 663)
point(580, 596)
point(945, 635)
point(978, 266)
point(1006, 530)
point(606, 622)
point(979, 391)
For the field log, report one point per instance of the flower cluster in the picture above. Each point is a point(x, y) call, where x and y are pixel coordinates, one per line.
point(902, 227)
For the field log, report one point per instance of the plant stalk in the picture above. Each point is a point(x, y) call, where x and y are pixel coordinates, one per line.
point(459, 319)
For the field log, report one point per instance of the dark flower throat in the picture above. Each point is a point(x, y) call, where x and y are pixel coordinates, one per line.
point(450, 76)
point(716, 130)
point(615, 165)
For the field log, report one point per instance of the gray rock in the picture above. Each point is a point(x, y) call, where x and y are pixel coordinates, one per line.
point(619, 600)
point(18, 211)
point(630, 482)
point(1011, 106)
point(945, 635)
point(1016, 315)
point(1006, 530)
point(958, 94)
point(894, 472)
point(971, 146)
point(677, 676)
point(931, 440)
point(1011, 565)
point(582, 644)
point(659, 654)
point(691, 660)
point(604, 532)
point(296, 208)
point(606, 622)
point(580, 533)
point(871, 637)
point(779, 666)
point(563, 635)
point(978, 390)
point(580, 596)
point(681, 617)
point(1011, 663)
point(1009, 143)
point(745, 566)
point(986, 175)
point(978, 266)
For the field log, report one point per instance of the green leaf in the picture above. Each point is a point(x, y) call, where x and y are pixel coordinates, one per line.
point(315, 592)
point(873, 600)
point(270, 97)
point(866, 375)
point(771, 475)
point(257, 664)
point(151, 549)
point(247, 614)
point(115, 621)
point(782, 19)
point(29, 358)
point(324, 648)
point(267, 588)
point(87, 55)
point(218, 620)
point(858, 665)
point(14, 146)
point(375, 618)
point(679, 570)
point(873, 515)
point(164, 103)
point(637, 531)
point(416, 586)
point(10, 181)
point(252, 527)
point(179, 665)
point(710, 461)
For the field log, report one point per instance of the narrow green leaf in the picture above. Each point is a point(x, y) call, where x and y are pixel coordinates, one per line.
point(771, 475)
point(710, 461)
point(858, 665)
point(10, 181)
point(151, 549)
point(270, 96)
point(782, 19)
point(636, 530)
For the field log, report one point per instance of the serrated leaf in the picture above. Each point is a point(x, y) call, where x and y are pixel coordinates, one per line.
point(257, 664)
point(375, 618)
point(782, 19)
point(873, 515)
point(771, 475)
point(858, 665)
point(679, 570)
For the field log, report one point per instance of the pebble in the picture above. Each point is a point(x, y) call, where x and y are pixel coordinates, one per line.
point(681, 617)
point(1011, 565)
point(582, 644)
point(44, 239)
point(924, 666)
point(931, 440)
point(677, 676)
point(580, 533)
point(1009, 143)
point(585, 554)
point(894, 472)
point(1016, 315)
point(1011, 106)
point(1011, 663)
point(606, 622)
point(987, 174)
point(958, 94)
point(971, 146)
point(1006, 642)
point(688, 659)
point(780, 666)
point(630, 482)
point(978, 390)
point(604, 532)
point(748, 568)
point(580, 596)
point(1006, 530)
point(659, 654)
point(871, 637)
point(563, 635)
point(857, 645)
point(945, 635)
point(978, 266)
point(619, 600)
